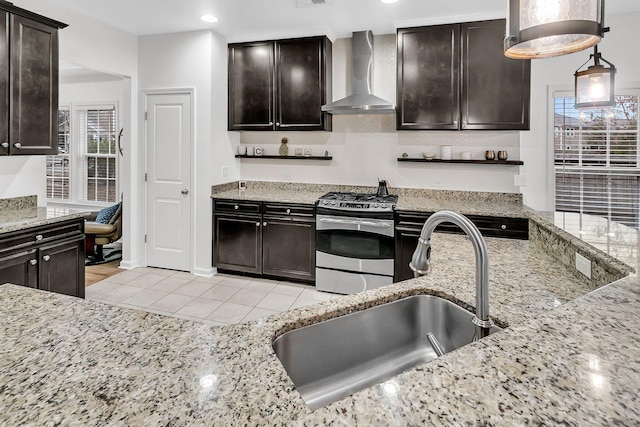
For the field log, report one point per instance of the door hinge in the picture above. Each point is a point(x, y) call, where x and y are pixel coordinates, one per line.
point(145, 238)
point(145, 177)
point(145, 115)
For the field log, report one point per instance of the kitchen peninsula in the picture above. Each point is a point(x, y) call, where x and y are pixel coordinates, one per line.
point(568, 356)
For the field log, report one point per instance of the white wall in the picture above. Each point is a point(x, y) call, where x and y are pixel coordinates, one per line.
point(366, 147)
point(195, 60)
point(618, 47)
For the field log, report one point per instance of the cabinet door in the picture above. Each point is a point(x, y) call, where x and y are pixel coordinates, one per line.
point(406, 242)
point(237, 243)
point(34, 87)
point(20, 268)
point(495, 89)
point(428, 77)
point(251, 83)
point(302, 83)
point(289, 247)
point(4, 83)
point(62, 267)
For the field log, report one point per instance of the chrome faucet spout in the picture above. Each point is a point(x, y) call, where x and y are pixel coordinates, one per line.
point(421, 262)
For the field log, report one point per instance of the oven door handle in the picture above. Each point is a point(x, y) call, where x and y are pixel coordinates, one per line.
point(356, 222)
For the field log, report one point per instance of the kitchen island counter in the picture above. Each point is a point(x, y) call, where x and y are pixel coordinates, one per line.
point(567, 357)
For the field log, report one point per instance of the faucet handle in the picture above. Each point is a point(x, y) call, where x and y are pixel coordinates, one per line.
point(421, 260)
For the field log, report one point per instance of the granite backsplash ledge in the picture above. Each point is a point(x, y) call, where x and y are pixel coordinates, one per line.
point(24, 205)
point(421, 193)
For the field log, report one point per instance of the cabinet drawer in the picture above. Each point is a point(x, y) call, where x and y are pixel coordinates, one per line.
point(237, 206)
point(284, 210)
point(39, 235)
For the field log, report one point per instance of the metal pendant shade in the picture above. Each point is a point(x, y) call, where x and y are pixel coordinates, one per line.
point(595, 85)
point(546, 28)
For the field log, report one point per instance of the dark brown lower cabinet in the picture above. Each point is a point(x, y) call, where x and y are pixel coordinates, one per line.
point(280, 243)
point(49, 257)
point(409, 226)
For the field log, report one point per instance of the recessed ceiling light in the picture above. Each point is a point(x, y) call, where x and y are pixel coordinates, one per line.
point(388, 1)
point(209, 18)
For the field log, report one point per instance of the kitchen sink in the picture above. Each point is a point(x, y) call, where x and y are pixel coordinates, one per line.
point(335, 358)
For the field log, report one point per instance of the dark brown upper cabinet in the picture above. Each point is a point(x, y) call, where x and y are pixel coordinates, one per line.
point(456, 77)
point(28, 82)
point(280, 85)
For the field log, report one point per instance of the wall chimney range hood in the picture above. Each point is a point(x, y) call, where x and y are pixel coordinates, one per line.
point(362, 101)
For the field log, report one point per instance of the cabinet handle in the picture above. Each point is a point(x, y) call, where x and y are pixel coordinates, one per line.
point(33, 262)
point(264, 223)
point(46, 257)
point(288, 211)
point(504, 227)
point(236, 207)
point(258, 224)
point(39, 237)
point(277, 123)
point(17, 145)
point(5, 145)
point(455, 122)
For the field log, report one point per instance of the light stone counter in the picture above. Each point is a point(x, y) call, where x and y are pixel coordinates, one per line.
point(21, 213)
point(65, 361)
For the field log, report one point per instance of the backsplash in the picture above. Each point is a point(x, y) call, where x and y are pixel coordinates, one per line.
point(15, 208)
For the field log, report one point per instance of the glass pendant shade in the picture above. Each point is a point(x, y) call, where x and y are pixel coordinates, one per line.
point(595, 85)
point(546, 28)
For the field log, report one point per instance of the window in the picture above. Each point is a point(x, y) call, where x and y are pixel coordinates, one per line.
point(58, 166)
point(85, 169)
point(596, 157)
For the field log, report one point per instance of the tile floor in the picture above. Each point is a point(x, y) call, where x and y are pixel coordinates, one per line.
point(218, 300)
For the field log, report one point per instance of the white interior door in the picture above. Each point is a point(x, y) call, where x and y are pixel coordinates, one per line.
point(169, 141)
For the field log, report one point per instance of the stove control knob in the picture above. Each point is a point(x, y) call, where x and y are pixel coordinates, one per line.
point(326, 202)
point(333, 202)
point(375, 205)
point(384, 205)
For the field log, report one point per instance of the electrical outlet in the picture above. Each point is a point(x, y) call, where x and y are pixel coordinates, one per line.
point(224, 171)
point(583, 265)
point(288, 177)
point(435, 184)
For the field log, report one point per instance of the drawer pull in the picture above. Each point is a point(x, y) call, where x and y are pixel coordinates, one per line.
point(288, 211)
point(504, 227)
point(39, 237)
point(264, 223)
point(236, 207)
point(46, 257)
point(5, 145)
point(17, 145)
point(33, 262)
point(258, 224)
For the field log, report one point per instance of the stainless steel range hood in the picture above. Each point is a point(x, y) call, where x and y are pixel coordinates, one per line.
point(362, 101)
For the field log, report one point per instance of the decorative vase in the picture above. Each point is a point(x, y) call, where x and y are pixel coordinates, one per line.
point(284, 148)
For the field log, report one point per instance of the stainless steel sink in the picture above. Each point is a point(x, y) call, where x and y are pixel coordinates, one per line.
point(335, 358)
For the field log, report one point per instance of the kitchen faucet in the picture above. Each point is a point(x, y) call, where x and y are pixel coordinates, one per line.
point(421, 263)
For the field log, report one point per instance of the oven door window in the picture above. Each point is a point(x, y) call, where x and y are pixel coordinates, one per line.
point(355, 244)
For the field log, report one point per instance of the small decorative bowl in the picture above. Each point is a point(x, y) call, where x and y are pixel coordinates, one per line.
point(427, 155)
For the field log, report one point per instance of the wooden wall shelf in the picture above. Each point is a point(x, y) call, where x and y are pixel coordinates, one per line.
point(473, 162)
point(245, 156)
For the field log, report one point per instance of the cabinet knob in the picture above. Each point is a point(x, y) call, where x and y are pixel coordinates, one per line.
point(46, 257)
point(39, 237)
point(5, 145)
point(264, 223)
point(455, 122)
point(288, 211)
point(33, 262)
point(236, 207)
point(258, 224)
point(277, 123)
point(17, 145)
point(504, 227)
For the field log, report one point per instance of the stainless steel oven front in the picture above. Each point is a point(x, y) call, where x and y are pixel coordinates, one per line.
point(353, 254)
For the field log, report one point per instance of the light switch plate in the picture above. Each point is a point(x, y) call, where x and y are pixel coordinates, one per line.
point(583, 265)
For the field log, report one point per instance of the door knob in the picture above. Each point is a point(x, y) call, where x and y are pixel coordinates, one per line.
point(4, 145)
point(185, 191)
point(17, 145)
point(46, 257)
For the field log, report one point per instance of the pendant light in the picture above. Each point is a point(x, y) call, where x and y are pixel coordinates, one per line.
point(546, 28)
point(595, 85)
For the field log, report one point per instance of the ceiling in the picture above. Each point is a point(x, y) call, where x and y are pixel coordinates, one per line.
point(244, 20)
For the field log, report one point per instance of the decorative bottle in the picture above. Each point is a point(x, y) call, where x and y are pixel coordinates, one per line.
point(284, 148)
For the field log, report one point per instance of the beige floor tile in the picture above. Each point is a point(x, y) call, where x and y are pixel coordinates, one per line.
point(258, 313)
point(318, 296)
point(146, 280)
point(146, 297)
point(237, 282)
point(199, 308)
point(261, 285)
point(220, 292)
point(286, 289)
point(194, 288)
point(169, 284)
point(247, 297)
point(158, 271)
point(230, 313)
point(213, 279)
point(183, 275)
point(125, 277)
point(171, 303)
point(276, 302)
point(118, 294)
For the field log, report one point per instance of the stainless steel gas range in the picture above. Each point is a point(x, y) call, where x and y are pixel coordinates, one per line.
point(354, 242)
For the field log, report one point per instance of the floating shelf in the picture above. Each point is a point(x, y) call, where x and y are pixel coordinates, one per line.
point(473, 162)
point(246, 156)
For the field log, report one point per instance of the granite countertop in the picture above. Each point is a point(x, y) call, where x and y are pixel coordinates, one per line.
point(566, 358)
point(20, 213)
